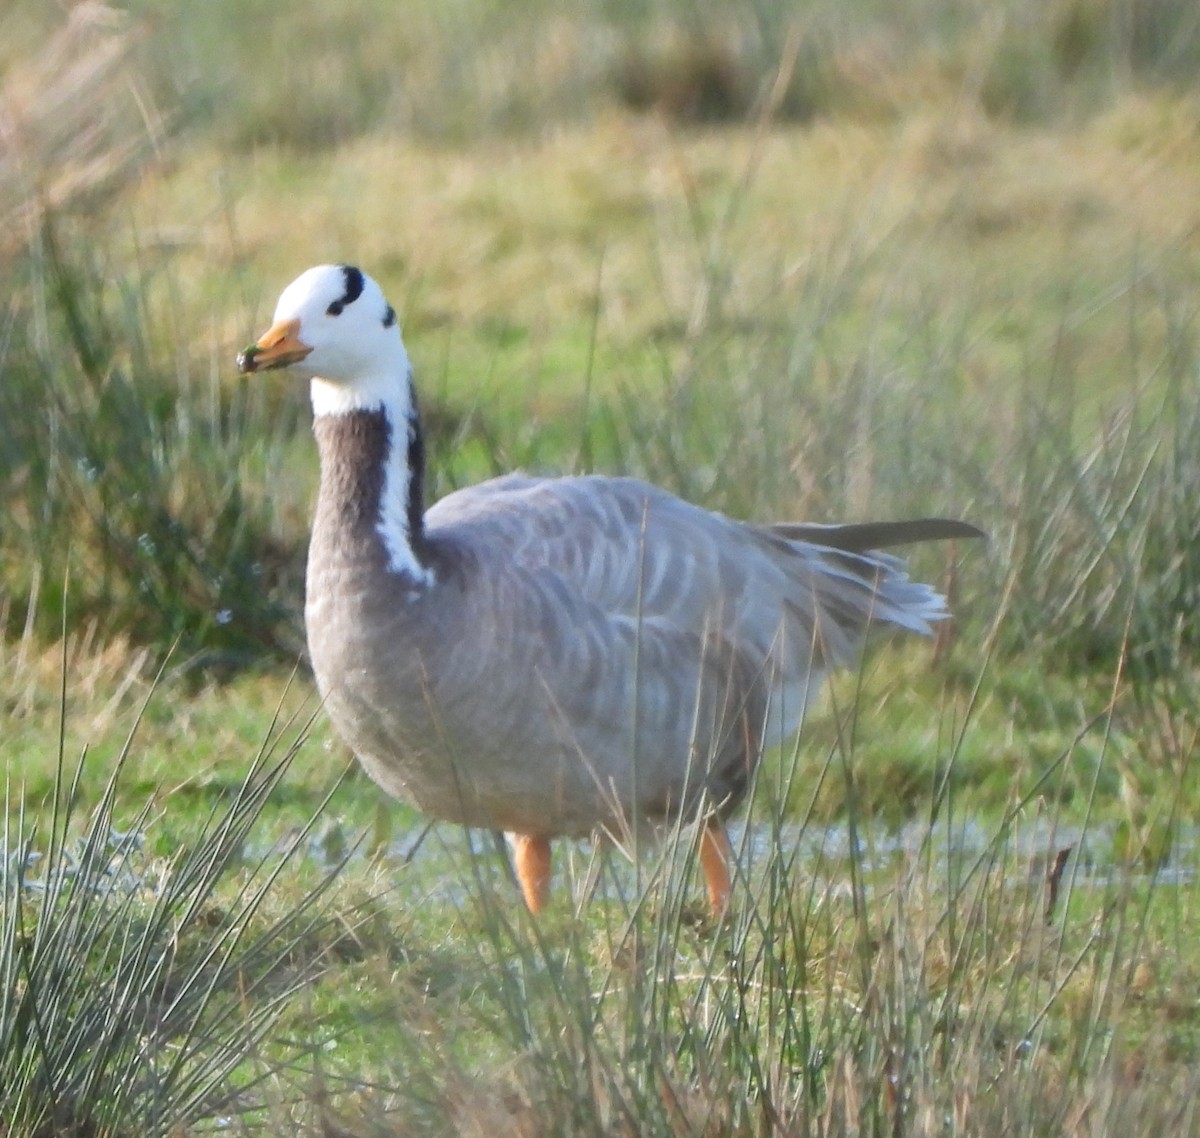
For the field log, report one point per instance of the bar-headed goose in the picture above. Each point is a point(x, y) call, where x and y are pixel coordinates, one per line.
point(555, 656)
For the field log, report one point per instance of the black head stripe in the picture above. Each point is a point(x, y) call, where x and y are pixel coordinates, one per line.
point(389, 317)
point(354, 283)
point(354, 286)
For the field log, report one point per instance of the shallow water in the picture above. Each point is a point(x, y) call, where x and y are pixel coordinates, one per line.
point(443, 858)
point(1094, 850)
point(446, 856)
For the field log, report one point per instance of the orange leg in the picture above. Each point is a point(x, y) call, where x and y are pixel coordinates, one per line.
point(715, 859)
point(532, 855)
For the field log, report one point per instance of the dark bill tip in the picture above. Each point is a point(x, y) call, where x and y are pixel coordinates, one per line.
point(246, 362)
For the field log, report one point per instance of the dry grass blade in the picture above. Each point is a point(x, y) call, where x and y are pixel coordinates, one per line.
point(74, 121)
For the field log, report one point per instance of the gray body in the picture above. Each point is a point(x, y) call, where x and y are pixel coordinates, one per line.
point(592, 653)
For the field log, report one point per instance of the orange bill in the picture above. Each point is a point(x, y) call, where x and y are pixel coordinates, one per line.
point(278, 346)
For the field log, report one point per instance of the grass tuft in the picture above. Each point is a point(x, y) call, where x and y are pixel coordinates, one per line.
point(137, 992)
point(129, 487)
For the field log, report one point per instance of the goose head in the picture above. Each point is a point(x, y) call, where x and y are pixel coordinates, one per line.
point(334, 326)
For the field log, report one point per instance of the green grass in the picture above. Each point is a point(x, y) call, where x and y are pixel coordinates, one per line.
point(133, 998)
point(857, 985)
point(892, 260)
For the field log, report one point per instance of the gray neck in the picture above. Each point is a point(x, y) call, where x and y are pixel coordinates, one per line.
point(364, 468)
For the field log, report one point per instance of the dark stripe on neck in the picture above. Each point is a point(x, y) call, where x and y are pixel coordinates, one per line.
point(416, 476)
point(355, 449)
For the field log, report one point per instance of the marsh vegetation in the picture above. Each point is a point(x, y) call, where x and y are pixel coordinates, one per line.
point(878, 260)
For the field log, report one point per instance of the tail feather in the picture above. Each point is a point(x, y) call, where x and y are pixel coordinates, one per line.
point(860, 537)
point(845, 590)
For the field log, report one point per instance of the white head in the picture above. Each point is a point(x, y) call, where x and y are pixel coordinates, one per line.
point(333, 325)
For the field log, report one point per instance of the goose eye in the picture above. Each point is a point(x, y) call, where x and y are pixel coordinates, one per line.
point(335, 309)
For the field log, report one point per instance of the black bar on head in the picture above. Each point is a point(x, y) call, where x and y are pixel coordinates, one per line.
point(354, 284)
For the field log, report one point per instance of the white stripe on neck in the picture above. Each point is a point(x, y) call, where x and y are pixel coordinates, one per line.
point(392, 396)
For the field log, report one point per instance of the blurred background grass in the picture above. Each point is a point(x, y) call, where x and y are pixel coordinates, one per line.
point(851, 261)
